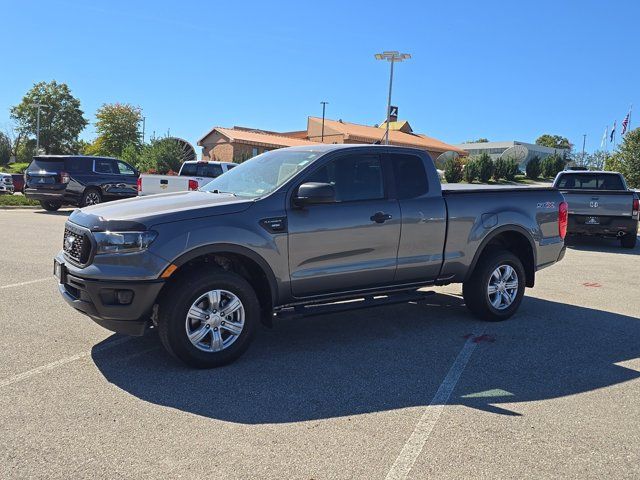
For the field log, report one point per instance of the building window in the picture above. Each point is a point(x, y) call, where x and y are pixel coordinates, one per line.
point(254, 151)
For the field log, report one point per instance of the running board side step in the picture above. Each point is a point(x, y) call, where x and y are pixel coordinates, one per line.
point(368, 301)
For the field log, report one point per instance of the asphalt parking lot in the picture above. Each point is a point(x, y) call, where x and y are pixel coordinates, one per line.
point(406, 391)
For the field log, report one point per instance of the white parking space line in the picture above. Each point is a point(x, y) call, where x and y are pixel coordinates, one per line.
point(414, 445)
point(58, 363)
point(29, 282)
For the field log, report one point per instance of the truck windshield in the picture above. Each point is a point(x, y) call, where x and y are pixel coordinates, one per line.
point(590, 181)
point(261, 175)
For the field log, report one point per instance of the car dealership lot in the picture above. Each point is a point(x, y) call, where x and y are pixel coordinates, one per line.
point(404, 391)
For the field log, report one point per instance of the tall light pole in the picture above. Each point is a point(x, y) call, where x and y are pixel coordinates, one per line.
point(324, 104)
point(39, 105)
point(392, 57)
point(584, 140)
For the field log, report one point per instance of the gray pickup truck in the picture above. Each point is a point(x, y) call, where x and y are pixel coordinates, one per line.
point(600, 204)
point(302, 231)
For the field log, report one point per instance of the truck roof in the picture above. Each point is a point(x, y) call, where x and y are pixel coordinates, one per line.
point(329, 147)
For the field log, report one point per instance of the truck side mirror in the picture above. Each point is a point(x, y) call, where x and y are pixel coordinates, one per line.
point(315, 193)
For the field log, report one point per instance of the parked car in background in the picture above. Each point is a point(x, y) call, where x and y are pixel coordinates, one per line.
point(6, 183)
point(600, 204)
point(56, 180)
point(192, 175)
point(18, 182)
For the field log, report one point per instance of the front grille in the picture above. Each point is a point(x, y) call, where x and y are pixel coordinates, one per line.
point(76, 244)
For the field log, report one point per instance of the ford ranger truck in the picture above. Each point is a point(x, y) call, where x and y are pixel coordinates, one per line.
point(600, 204)
point(295, 232)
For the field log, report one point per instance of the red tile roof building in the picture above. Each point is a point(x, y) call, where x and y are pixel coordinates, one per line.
point(238, 144)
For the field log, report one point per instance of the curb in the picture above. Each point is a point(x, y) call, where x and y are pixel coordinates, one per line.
point(20, 207)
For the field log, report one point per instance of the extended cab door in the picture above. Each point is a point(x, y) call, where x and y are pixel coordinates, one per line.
point(424, 217)
point(350, 244)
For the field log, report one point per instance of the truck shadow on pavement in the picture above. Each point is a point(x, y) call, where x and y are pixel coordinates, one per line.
point(597, 244)
point(385, 359)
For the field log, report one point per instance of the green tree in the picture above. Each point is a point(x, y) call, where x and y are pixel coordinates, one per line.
point(5, 148)
point(554, 141)
point(162, 155)
point(61, 119)
point(533, 169)
point(453, 170)
point(500, 169)
point(485, 167)
point(117, 126)
point(25, 151)
point(470, 173)
point(627, 159)
point(512, 169)
point(552, 165)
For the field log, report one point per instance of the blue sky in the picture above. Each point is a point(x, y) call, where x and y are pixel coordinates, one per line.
point(501, 70)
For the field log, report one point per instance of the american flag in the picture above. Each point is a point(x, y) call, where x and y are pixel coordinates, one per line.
point(625, 123)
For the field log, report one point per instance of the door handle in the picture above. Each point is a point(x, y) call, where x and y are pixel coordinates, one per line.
point(381, 217)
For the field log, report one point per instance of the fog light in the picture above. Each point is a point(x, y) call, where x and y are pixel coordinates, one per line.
point(125, 297)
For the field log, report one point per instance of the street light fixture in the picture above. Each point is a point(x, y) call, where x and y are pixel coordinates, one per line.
point(40, 106)
point(392, 57)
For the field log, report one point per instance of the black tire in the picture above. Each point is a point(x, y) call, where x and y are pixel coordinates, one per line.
point(173, 309)
point(629, 240)
point(91, 196)
point(475, 290)
point(49, 206)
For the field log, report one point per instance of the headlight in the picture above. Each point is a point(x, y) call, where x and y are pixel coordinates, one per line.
point(123, 242)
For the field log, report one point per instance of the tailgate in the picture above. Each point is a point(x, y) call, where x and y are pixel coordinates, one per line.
point(595, 203)
point(152, 184)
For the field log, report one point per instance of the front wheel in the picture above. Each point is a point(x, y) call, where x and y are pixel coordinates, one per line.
point(496, 287)
point(49, 206)
point(208, 319)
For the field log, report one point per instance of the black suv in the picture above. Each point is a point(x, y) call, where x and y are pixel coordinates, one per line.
point(56, 180)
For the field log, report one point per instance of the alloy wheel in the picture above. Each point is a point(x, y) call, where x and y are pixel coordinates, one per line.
point(215, 320)
point(502, 288)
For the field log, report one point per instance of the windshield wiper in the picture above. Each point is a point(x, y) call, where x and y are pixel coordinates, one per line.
point(215, 190)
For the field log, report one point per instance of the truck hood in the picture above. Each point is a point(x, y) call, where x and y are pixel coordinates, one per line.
point(141, 213)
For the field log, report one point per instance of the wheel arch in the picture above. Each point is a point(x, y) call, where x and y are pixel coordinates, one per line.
point(242, 260)
point(517, 240)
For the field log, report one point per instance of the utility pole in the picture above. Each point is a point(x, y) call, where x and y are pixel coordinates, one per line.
point(584, 140)
point(392, 57)
point(39, 106)
point(324, 104)
point(144, 120)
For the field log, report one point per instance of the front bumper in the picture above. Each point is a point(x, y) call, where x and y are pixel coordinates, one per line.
point(98, 299)
point(6, 189)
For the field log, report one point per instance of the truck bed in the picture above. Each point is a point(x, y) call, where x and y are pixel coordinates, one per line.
point(453, 188)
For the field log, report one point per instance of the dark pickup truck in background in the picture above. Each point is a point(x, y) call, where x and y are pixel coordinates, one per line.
point(56, 180)
point(600, 204)
point(293, 232)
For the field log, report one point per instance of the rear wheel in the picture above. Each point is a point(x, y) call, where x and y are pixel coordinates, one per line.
point(208, 319)
point(91, 197)
point(629, 240)
point(496, 287)
point(49, 206)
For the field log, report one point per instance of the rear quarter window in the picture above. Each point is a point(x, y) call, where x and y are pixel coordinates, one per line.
point(78, 164)
point(410, 176)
